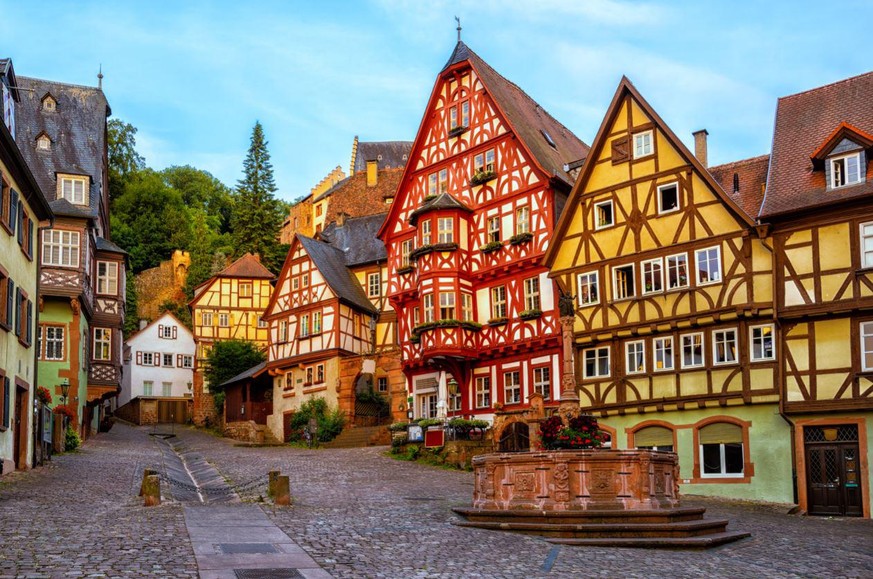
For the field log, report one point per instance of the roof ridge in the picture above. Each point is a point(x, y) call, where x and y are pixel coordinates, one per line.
point(825, 86)
point(732, 163)
point(67, 84)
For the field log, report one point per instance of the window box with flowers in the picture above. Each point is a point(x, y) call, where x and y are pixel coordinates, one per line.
point(498, 321)
point(457, 131)
point(491, 247)
point(480, 177)
point(520, 238)
point(425, 249)
point(467, 325)
point(530, 314)
point(405, 269)
point(580, 432)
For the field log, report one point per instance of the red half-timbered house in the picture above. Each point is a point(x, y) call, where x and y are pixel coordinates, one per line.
point(474, 213)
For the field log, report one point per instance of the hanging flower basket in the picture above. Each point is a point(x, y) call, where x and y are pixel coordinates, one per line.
point(43, 395)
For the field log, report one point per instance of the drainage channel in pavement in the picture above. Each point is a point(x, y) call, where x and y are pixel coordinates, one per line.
point(190, 479)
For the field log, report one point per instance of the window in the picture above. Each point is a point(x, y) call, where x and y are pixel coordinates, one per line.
point(428, 308)
point(223, 320)
point(663, 353)
point(623, 286)
point(187, 361)
point(316, 322)
point(454, 401)
point(465, 114)
point(761, 338)
point(542, 382)
point(206, 319)
point(483, 392)
point(532, 294)
point(692, 350)
point(484, 162)
point(168, 360)
point(654, 438)
point(416, 318)
point(428, 405)
point(446, 230)
point(48, 104)
point(147, 387)
point(447, 305)
point(165, 332)
point(319, 209)
point(588, 290)
point(319, 373)
point(494, 229)
point(453, 117)
point(43, 143)
point(708, 265)
point(60, 247)
point(643, 144)
point(867, 346)
point(262, 323)
point(721, 450)
point(405, 250)
point(596, 362)
point(245, 290)
point(432, 184)
point(443, 180)
point(845, 170)
point(73, 190)
point(295, 283)
point(107, 278)
point(304, 280)
point(522, 220)
point(867, 244)
point(53, 340)
point(374, 285)
point(103, 344)
point(467, 307)
point(724, 346)
point(635, 357)
point(498, 302)
point(512, 387)
point(425, 232)
point(166, 388)
point(304, 325)
point(603, 214)
point(668, 198)
point(148, 358)
point(283, 331)
point(677, 271)
point(653, 276)
point(308, 381)
point(4, 287)
point(382, 383)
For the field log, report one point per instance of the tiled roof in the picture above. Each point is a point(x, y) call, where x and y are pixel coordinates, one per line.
point(356, 238)
point(331, 263)
point(104, 244)
point(77, 129)
point(355, 198)
point(529, 121)
point(388, 154)
point(751, 177)
point(249, 267)
point(803, 122)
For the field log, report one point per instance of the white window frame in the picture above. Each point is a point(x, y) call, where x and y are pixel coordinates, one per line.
point(656, 270)
point(845, 159)
point(640, 143)
point(662, 350)
point(223, 320)
point(445, 230)
point(44, 143)
point(425, 232)
point(187, 361)
point(206, 319)
point(432, 184)
point(166, 389)
point(708, 258)
point(167, 360)
point(447, 303)
point(67, 244)
point(723, 467)
point(494, 229)
point(761, 339)
point(166, 332)
point(107, 282)
point(589, 280)
point(443, 181)
point(522, 220)
point(633, 289)
point(598, 357)
point(498, 302)
point(512, 386)
point(427, 305)
point(58, 345)
point(374, 285)
point(673, 263)
point(74, 197)
point(483, 392)
point(542, 381)
point(635, 352)
point(598, 224)
point(684, 363)
point(866, 331)
point(661, 188)
point(283, 331)
point(148, 387)
point(532, 294)
point(151, 359)
point(466, 307)
point(719, 339)
point(406, 248)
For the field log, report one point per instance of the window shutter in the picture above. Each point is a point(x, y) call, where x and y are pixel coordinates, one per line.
point(30, 236)
point(175, 332)
point(156, 360)
point(620, 154)
point(139, 358)
point(13, 209)
point(10, 302)
point(178, 360)
point(7, 395)
point(22, 217)
point(18, 319)
point(160, 330)
point(721, 432)
point(29, 330)
point(653, 436)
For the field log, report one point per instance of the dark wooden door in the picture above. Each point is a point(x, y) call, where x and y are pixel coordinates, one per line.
point(834, 479)
point(19, 443)
point(515, 438)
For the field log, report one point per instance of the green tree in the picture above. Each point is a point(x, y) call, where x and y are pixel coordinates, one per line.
point(257, 215)
point(200, 190)
point(228, 358)
point(124, 160)
point(131, 318)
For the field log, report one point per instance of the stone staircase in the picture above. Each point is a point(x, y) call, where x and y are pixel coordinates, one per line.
point(678, 528)
point(360, 437)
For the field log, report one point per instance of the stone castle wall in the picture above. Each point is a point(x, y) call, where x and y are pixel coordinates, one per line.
point(160, 284)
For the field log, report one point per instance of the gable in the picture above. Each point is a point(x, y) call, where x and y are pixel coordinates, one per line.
point(291, 291)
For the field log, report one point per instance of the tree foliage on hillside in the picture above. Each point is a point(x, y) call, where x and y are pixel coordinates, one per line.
point(228, 358)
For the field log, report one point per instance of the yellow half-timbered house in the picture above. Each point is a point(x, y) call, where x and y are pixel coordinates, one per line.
point(674, 320)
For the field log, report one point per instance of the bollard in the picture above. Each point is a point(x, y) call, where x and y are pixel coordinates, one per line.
point(283, 491)
point(151, 490)
point(271, 487)
point(145, 473)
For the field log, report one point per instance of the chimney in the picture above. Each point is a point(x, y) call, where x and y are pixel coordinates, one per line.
point(372, 172)
point(341, 218)
point(143, 324)
point(700, 146)
point(354, 156)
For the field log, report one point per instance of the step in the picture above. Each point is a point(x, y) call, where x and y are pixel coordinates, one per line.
point(703, 542)
point(607, 530)
point(678, 514)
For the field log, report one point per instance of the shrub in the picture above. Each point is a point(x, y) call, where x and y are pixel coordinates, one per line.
point(330, 420)
point(398, 426)
point(71, 439)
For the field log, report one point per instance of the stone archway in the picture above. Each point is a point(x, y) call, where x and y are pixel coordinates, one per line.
point(515, 437)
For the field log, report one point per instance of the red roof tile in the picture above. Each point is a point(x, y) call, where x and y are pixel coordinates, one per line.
point(248, 266)
point(804, 122)
point(747, 188)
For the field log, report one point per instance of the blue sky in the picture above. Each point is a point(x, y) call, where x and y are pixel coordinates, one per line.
point(193, 76)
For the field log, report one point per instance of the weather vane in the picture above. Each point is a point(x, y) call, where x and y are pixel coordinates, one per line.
point(458, 20)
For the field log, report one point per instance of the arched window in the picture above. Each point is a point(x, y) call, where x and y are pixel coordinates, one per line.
point(722, 450)
point(654, 438)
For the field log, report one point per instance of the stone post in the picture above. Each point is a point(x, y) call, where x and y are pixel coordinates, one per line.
point(152, 490)
point(283, 491)
point(145, 474)
point(569, 396)
point(273, 476)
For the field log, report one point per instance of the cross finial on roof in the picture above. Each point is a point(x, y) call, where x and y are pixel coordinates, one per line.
point(100, 77)
point(458, 20)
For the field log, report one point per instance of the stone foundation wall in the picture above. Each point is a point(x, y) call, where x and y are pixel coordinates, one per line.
point(246, 431)
point(458, 453)
point(204, 404)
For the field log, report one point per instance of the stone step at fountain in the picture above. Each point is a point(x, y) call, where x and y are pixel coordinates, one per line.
point(608, 530)
point(591, 516)
point(701, 542)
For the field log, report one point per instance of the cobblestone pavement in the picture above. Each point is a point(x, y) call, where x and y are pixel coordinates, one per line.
point(80, 516)
point(361, 514)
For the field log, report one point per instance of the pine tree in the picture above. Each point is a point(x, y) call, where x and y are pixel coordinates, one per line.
point(257, 215)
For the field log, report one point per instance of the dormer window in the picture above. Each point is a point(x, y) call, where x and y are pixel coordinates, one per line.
point(49, 103)
point(845, 170)
point(73, 189)
point(43, 143)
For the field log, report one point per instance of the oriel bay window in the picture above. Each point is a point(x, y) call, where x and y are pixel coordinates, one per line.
point(595, 362)
point(677, 271)
point(446, 230)
point(107, 278)
point(708, 265)
point(428, 308)
point(447, 305)
point(102, 344)
point(588, 288)
point(512, 387)
point(653, 276)
point(425, 232)
point(761, 338)
point(466, 307)
point(60, 247)
point(724, 346)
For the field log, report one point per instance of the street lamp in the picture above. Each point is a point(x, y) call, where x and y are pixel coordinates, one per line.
point(452, 387)
point(65, 390)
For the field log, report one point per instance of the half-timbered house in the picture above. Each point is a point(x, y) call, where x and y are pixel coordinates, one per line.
point(475, 211)
point(332, 330)
point(674, 320)
point(229, 305)
point(818, 208)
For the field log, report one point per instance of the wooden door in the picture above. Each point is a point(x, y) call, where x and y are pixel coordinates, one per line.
point(515, 438)
point(19, 433)
point(833, 473)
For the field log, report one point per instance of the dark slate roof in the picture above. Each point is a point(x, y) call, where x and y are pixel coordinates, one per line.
point(104, 244)
point(805, 121)
point(77, 130)
point(528, 119)
point(17, 166)
point(356, 238)
point(8, 71)
point(441, 201)
point(65, 208)
point(252, 372)
point(389, 154)
point(331, 263)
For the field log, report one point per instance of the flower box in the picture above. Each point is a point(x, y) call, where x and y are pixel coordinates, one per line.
point(425, 249)
point(530, 314)
point(480, 177)
point(520, 238)
point(457, 131)
point(491, 247)
point(497, 321)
